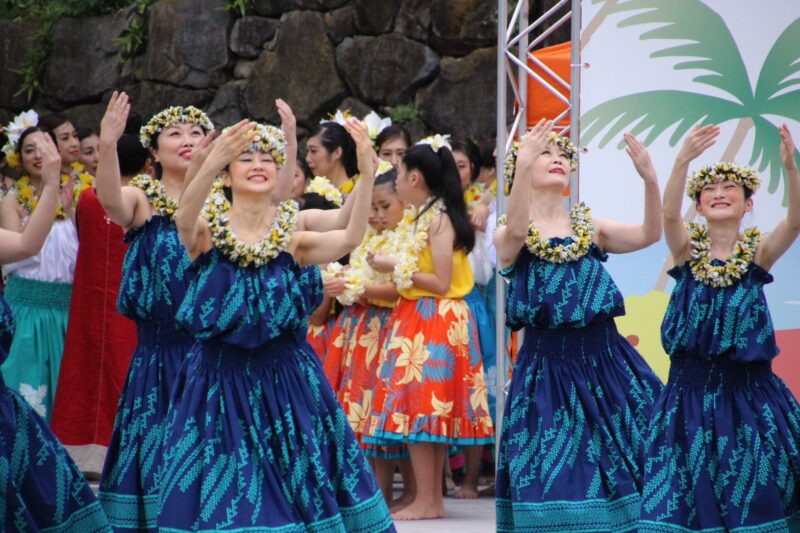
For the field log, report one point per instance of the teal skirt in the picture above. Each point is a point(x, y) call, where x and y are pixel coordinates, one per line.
point(41, 312)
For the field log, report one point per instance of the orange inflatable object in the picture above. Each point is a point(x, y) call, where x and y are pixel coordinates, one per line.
point(541, 102)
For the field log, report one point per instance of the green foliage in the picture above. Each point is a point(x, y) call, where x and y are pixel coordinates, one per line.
point(134, 36)
point(404, 113)
point(238, 5)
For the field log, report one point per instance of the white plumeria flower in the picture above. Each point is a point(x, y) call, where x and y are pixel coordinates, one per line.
point(437, 141)
point(35, 397)
point(376, 124)
point(23, 121)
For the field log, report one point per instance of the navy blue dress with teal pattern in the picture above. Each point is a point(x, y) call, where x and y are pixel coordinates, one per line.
point(256, 440)
point(154, 281)
point(724, 449)
point(573, 437)
point(42, 489)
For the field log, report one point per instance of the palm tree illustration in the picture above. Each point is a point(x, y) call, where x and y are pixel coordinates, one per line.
point(705, 43)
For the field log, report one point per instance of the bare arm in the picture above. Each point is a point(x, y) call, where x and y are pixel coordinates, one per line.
point(286, 174)
point(698, 141)
point(621, 238)
point(442, 237)
point(386, 292)
point(775, 244)
point(509, 239)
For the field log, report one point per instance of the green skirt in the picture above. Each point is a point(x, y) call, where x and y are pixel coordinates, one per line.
point(41, 312)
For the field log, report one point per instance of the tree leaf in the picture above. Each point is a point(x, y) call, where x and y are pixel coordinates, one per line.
point(781, 68)
point(710, 45)
point(766, 154)
point(655, 111)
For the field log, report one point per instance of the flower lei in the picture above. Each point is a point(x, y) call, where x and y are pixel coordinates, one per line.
point(410, 239)
point(510, 165)
point(156, 194)
point(23, 121)
point(475, 194)
point(322, 186)
point(725, 275)
point(173, 115)
point(257, 254)
point(582, 228)
point(709, 174)
point(358, 273)
point(28, 200)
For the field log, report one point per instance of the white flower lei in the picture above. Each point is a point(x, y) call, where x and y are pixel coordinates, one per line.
point(725, 275)
point(582, 228)
point(411, 239)
point(322, 186)
point(358, 273)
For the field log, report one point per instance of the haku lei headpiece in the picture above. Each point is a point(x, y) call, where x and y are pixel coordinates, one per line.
point(437, 142)
point(582, 228)
point(730, 271)
point(510, 165)
point(270, 140)
point(171, 116)
point(709, 174)
point(13, 130)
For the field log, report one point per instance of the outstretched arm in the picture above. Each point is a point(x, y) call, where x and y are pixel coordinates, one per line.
point(698, 141)
point(16, 246)
point(621, 238)
point(126, 206)
point(775, 244)
point(286, 174)
point(508, 239)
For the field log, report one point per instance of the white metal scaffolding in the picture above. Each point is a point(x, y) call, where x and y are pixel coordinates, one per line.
point(516, 40)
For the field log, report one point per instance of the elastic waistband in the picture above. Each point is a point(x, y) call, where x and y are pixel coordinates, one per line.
point(162, 334)
point(714, 372)
point(218, 354)
point(34, 293)
point(569, 342)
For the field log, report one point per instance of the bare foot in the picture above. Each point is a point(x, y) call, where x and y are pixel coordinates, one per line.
point(466, 493)
point(488, 491)
point(401, 503)
point(420, 511)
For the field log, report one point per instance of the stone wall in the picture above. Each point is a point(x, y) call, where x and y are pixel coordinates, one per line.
point(438, 56)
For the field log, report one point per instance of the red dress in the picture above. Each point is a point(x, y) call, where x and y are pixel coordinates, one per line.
point(99, 341)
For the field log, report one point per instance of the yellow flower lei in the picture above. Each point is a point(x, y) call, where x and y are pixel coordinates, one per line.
point(410, 239)
point(582, 228)
point(359, 273)
point(323, 186)
point(156, 194)
point(28, 200)
point(257, 254)
point(510, 165)
point(725, 275)
point(474, 194)
point(743, 175)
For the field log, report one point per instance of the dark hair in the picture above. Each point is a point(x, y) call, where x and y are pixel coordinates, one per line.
point(84, 133)
point(332, 136)
point(25, 133)
point(387, 178)
point(312, 200)
point(488, 159)
point(133, 124)
point(132, 155)
point(393, 132)
point(469, 149)
point(440, 173)
point(49, 123)
point(303, 166)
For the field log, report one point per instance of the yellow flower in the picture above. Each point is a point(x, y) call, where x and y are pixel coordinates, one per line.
point(413, 356)
point(441, 408)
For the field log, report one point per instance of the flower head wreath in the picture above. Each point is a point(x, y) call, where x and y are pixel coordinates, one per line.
point(437, 142)
point(270, 140)
point(510, 166)
point(709, 174)
point(171, 116)
point(13, 130)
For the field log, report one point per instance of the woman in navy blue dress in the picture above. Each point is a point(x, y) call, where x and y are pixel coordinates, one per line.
point(256, 439)
point(573, 436)
point(724, 450)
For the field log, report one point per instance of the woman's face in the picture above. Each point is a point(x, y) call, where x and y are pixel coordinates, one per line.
point(393, 150)
point(31, 155)
point(69, 147)
point(552, 168)
point(464, 168)
point(252, 172)
point(90, 154)
point(319, 159)
point(175, 146)
point(724, 200)
point(298, 183)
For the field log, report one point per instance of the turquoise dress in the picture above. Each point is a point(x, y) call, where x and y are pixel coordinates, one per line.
point(42, 489)
point(573, 437)
point(154, 281)
point(724, 450)
point(256, 440)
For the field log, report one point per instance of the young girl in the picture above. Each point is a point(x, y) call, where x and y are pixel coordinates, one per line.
point(432, 392)
point(393, 142)
point(39, 287)
point(331, 157)
point(724, 450)
point(256, 439)
point(573, 435)
point(42, 488)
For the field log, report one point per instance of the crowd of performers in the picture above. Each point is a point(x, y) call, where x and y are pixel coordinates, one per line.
point(229, 339)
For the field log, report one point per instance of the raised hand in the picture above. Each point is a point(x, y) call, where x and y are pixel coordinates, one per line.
point(364, 149)
point(788, 148)
point(640, 157)
point(288, 121)
point(230, 144)
point(51, 161)
point(113, 124)
point(534, 143)
point(200, 153)
point(699, 140)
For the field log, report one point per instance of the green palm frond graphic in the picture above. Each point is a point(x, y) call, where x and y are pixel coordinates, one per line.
point(700, 40)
